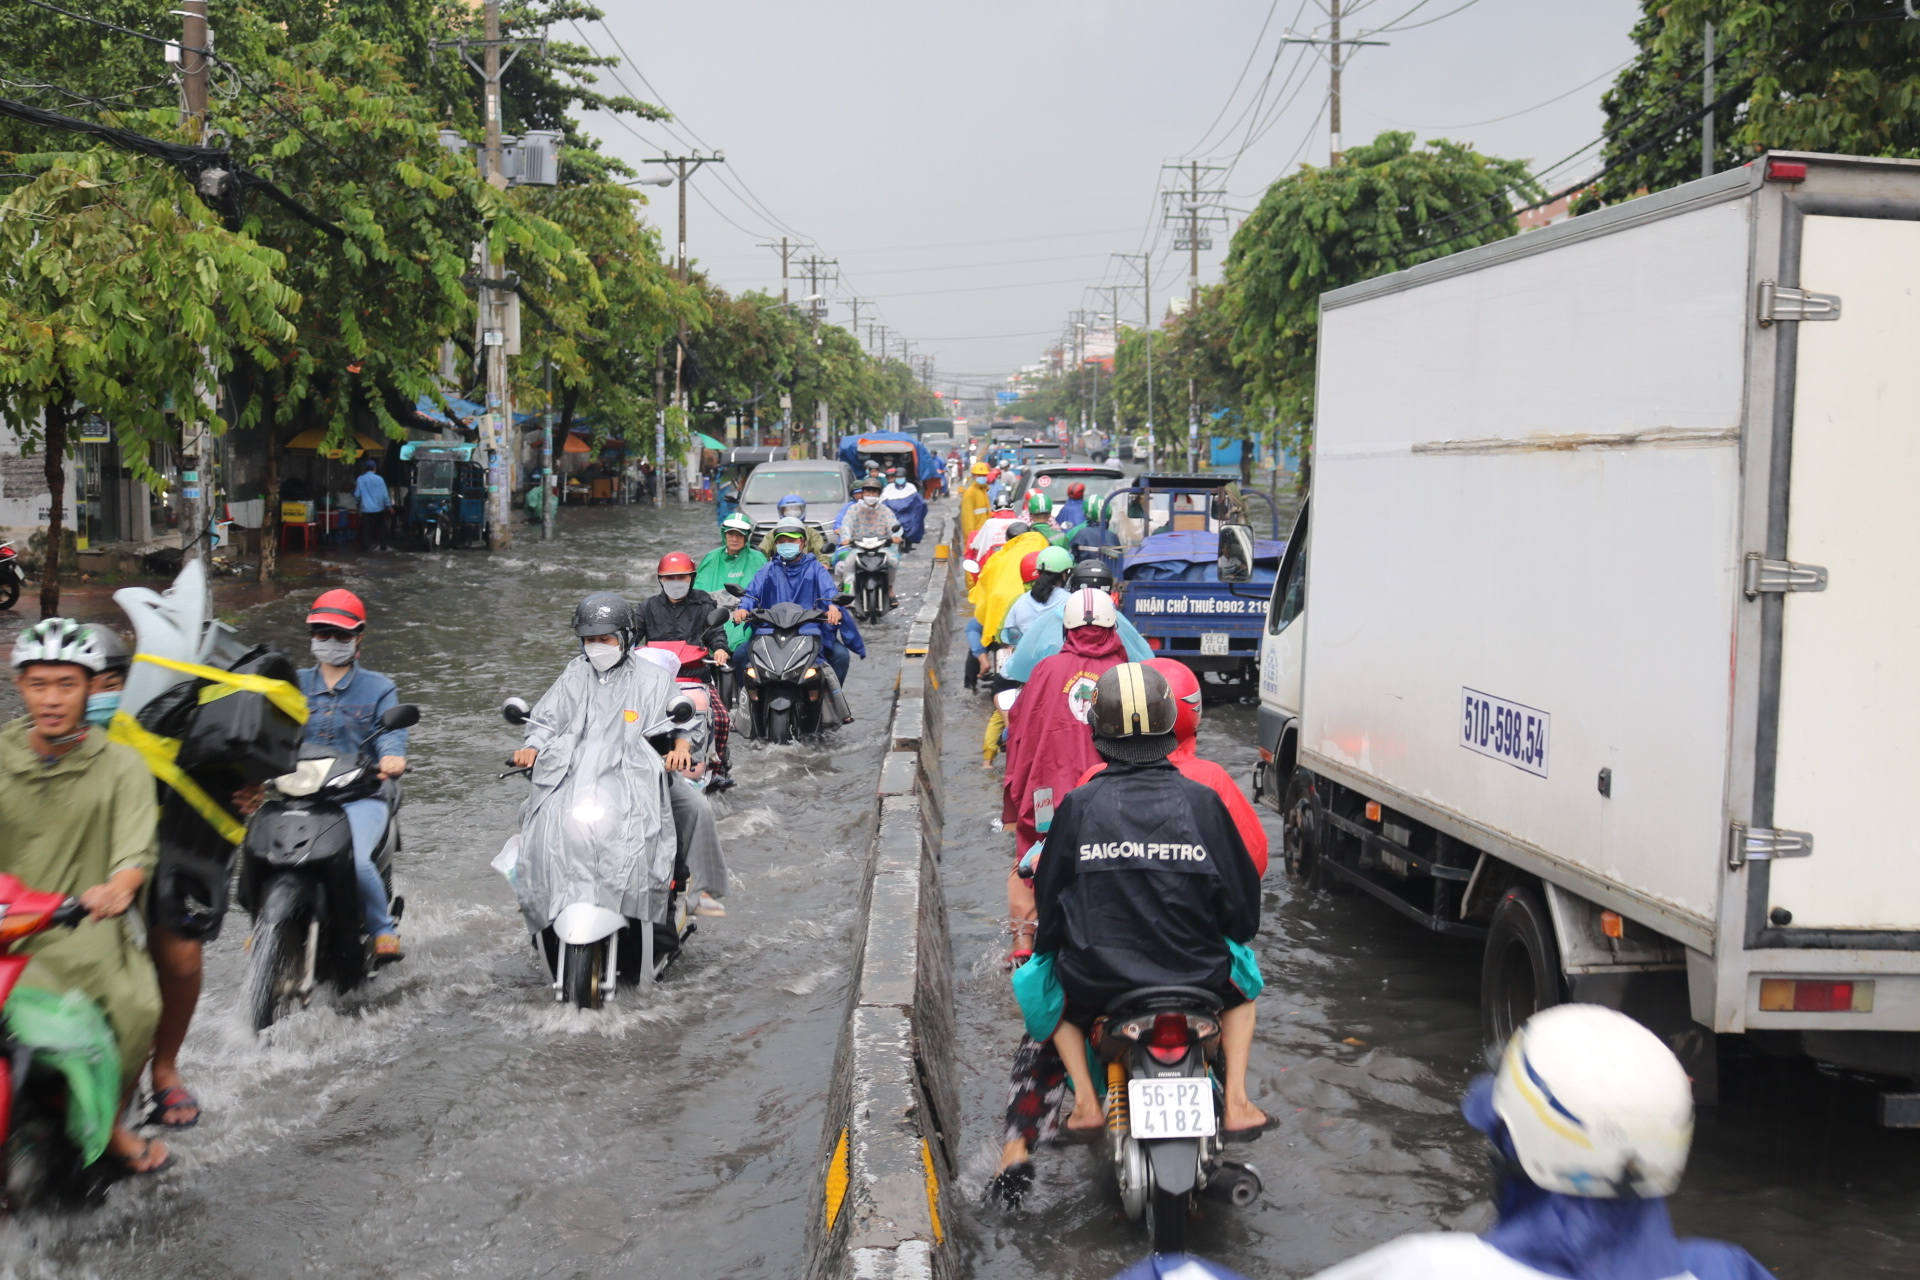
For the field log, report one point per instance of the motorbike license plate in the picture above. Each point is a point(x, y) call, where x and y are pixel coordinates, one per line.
point(1213, 644)
point(1171, 1107)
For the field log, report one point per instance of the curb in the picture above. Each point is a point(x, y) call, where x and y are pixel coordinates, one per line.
point(887, 1163)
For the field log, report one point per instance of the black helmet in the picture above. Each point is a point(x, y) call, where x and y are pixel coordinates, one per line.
point(604, 613)
point(1133, 714)
point(1091, 572)
point(1017, 528)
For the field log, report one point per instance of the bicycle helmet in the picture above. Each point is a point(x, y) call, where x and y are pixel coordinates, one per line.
point(1091, 572)
point(1593, 1104)
point(59, 640)
point(1133, 709)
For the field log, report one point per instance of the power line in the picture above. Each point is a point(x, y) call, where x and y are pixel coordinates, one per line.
point(1475, 124)
point(1394, 25)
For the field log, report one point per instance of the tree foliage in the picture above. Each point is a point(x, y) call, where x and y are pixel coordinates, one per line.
point(1387, 206)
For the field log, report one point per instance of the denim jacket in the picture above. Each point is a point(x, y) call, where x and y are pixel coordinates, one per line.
point(340, 718)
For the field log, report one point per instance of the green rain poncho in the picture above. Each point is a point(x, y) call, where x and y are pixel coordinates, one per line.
point(68, 826)
point(719, 568)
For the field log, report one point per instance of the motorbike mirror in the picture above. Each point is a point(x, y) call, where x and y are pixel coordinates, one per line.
point(971, 566)
point(718, 616)
point(843, 599)
point(515, 711)
point(735, 589)
point(404, 716)
point(681, 712)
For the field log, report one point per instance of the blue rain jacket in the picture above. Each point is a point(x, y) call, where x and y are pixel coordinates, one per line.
point(804, 581)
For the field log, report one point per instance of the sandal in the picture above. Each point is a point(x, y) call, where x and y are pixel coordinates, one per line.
point(1250, 1132)
point(122, 1166)
point(172, 1098)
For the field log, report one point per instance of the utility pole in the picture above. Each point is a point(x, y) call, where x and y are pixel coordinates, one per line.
point(1706, 100)
point(684, 168)
point(816, 269)
point(196, 442)
point(549, 474)
point(1195, 207)
point(1333, 44)
point(784, 249)
point(856, 304)
point(1145, 268)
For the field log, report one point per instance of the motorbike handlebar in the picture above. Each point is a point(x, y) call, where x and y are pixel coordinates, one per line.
point(68, 914)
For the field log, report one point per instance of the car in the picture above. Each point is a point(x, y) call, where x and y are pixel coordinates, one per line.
point(1053, 478)
point(824, 483)
point(1038, 453)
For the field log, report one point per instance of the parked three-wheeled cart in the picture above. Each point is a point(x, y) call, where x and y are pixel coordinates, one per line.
point(447, 493)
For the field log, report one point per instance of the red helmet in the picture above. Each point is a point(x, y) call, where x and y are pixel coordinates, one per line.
point(1030, 566)
point(675, 562)
point(1076, 490)
point(993, 475)
point(338, 608)
point(1186, 696)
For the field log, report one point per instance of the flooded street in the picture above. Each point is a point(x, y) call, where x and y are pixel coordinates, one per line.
point(1368, 1036)
point(449, 1119)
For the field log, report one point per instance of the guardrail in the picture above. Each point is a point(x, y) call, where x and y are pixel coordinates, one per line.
point(888, 1163)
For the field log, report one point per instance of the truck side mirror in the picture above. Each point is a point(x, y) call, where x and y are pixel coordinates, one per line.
point(1236, 553)
point(515, 711)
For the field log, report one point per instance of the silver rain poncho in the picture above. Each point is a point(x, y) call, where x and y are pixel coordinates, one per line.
point(596, 827)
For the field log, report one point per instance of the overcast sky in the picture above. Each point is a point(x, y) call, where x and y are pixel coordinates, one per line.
point(973, 165)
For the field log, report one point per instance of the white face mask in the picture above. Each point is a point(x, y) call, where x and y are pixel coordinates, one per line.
point(676, 588)
point(871, 499)
point(604, 657)
point(335, 653)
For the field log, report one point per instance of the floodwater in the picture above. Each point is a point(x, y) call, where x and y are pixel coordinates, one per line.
point(1368, 1035)
point(450, 1119)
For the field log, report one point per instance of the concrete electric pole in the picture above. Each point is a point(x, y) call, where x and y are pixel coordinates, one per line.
point(1195, 209)
point(1333, 45)
point(1143, 263)
point(196, 441)
point(684, 168)
point(784, 249)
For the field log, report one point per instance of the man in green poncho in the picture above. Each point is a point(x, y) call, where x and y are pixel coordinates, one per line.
point(734, 563)
point(80, 818)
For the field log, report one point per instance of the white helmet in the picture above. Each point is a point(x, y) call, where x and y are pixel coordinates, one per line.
point(1595, 1104)
point(1090, 608)
point(61, 640)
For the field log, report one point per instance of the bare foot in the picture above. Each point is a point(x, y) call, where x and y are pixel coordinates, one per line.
point(1086, 1118)
point(1015, 1152)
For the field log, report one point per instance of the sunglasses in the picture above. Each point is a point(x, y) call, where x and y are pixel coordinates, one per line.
point(334, 633)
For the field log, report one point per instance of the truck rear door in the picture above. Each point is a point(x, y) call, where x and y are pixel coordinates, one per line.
point(1847, 754)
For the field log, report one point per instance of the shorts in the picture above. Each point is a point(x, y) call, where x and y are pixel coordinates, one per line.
point(189, 892)
point(1083, 1016)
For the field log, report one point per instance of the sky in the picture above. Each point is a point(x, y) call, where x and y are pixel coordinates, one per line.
point(973, 167)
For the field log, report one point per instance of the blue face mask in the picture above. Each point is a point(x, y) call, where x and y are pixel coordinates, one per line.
point(787, 550)
point(101, 706)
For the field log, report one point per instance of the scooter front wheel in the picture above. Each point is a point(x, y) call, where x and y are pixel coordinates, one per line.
point(779, 727)
point(584, 962)
point(277, 952)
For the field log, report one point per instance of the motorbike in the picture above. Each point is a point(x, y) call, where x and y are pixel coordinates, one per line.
point(37, 1053)
point(784, 681)
point(1161, 1047)
point(10, 578)
point(297, 878)
point(870, 578)
point(589, 949)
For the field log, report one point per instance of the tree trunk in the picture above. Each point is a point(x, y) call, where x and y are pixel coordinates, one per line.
point(270, 508)
point(1247, 443)
point(58, 416)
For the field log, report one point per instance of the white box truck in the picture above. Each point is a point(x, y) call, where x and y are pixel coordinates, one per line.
point(1599, 637)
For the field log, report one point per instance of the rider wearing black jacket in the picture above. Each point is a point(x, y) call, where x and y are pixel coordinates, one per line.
point(678, 613)
point(1142, 881)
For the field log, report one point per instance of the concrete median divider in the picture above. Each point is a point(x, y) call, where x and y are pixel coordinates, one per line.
point(888, 1154)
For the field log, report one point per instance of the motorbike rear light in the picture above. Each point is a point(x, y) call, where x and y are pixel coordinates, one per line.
point(1168, 1043)
point(1786, 171)
point(1800, 995)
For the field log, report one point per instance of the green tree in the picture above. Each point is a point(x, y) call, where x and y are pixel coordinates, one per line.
point(1387, 206)
point(1794, 75)
point(121, 295)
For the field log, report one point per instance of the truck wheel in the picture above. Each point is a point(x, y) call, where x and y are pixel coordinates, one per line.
point(1300, 827)
point(1521, 972)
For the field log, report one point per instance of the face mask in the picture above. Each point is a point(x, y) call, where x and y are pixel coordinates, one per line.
point(675, 589)
point(871, 499)
point(604, 657)
point(335, 653)
point(787, 550)
point(101, 706)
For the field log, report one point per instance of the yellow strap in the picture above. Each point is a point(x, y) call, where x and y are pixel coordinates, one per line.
point(283, 695)
point(159, 753)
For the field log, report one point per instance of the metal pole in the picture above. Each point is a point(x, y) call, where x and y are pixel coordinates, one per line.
point(548, 475)
point(1706, 100)
point(496, 425)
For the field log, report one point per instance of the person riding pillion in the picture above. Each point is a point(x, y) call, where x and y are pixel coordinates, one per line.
point(1591, 1118)
point(344, 704)
point(794, 507)
point(868, 517)
point(794, 576)
point(1141, 881)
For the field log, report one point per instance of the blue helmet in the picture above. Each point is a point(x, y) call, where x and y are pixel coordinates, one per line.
point(794, 501)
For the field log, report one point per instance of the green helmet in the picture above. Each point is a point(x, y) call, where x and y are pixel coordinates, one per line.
point(1054, 560)
point(736, 523)
point(1095, 506)
point(1039, 504)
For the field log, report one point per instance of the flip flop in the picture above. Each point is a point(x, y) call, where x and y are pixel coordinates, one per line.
point(172, 1098)
point(122, 1167)
point(1250, 1133)
point(1065, 1137)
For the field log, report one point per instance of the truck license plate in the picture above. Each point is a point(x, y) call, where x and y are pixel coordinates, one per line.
point(1172, 1107)
point(1213, 644)
point(1509, 731)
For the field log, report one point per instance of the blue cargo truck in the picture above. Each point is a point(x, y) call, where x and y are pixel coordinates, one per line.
point(1194, 578)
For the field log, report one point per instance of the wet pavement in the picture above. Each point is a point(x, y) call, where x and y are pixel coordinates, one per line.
point(1368, 1035)
point(450, 1119)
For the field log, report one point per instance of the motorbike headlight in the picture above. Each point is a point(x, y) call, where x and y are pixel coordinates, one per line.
point(812, 672)
point(752, 673)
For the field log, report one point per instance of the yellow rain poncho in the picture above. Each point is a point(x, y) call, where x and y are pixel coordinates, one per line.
point(999, 584)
